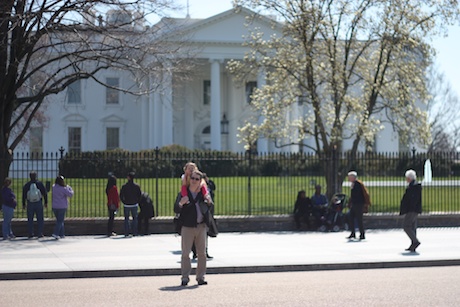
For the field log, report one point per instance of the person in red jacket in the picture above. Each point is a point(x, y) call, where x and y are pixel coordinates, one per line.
point(113, 202)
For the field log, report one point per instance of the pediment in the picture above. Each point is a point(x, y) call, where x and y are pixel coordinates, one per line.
point(112, 118)
point(74, 118)
point(231, 26)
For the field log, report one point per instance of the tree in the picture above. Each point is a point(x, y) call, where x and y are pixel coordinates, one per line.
point(444, 112)
point(49, 44)
point(354, 65)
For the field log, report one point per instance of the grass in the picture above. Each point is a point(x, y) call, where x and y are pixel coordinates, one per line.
point(268, 195)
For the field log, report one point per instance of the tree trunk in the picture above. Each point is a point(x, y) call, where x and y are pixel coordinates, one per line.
point(331, 168)
point(6, 158)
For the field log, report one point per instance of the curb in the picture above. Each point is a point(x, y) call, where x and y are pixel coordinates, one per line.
point(231, 270)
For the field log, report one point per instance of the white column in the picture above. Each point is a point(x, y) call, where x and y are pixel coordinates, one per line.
point(215, 105)
point(187, 125)
point(167, 105)
point(145, 121)
point(262, 143)
point(156, 122)
point(234, 104)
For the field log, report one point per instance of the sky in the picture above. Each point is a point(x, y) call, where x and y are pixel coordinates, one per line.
point(447, 48)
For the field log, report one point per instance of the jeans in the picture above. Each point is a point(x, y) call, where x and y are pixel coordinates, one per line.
point(8, 213)
point(59, 228)
point(133, 226)
point(35, 208)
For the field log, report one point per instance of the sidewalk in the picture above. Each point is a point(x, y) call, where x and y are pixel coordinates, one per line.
point(98, 256)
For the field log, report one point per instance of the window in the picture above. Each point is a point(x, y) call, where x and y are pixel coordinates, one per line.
point(36, 142)
point(206, 92)
point(112, 95)
point(74, 92)
point(74, 139)
point(250, 86)
point(206, 130)
point(113, 138)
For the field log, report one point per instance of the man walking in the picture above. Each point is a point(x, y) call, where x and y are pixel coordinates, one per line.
point(33, 194)
point(130, 195)
point(411, 207)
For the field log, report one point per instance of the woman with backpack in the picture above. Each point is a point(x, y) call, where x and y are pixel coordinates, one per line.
point(61, 193)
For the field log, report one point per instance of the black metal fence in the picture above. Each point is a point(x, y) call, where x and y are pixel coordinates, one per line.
point(247, 183)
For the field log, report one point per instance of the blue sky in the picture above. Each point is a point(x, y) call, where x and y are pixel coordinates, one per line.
point(447, 48)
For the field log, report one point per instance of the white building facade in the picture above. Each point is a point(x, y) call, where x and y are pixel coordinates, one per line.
point(203, 111)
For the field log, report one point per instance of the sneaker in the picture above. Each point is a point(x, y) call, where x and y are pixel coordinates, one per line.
point(55, 236)
point(41, 236)
point(11, 237)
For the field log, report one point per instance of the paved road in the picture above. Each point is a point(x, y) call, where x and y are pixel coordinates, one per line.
point(376, 287)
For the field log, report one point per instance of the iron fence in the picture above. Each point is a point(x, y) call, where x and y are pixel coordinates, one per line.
point(247, 183)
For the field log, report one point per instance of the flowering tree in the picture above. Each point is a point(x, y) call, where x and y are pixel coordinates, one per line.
point(353, 65)
point(49, 44)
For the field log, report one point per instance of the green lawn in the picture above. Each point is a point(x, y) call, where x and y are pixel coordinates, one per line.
point(268, 195)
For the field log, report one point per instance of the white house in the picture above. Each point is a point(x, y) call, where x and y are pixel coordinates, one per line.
point(203, 111)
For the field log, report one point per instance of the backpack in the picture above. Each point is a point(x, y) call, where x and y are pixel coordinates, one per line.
point(367, 198)
point(34, 195)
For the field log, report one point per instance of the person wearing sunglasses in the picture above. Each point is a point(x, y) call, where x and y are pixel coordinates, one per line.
point(194, 215)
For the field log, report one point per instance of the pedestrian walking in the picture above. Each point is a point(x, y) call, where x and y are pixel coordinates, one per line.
point(60, 202)
point(411, 207)
point(33, 195)
point(358, 203)
point(8, 205)
point(194, 213)
point(130, 195)
point(113, 203)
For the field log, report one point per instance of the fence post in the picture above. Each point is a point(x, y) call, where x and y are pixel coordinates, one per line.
point(157, 152)
point(334, 168)
point(248, 152)
point(61, 151)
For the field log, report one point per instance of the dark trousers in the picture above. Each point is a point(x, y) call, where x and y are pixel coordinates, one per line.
point(143, 222)
point(35, 209)
point(110, 223)
point(356, 212)
point(302, 216)
point(410, 226)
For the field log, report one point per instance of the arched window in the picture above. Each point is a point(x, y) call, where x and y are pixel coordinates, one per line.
point(207, 130)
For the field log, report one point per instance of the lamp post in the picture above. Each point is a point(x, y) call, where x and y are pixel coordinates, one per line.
point(224, 125)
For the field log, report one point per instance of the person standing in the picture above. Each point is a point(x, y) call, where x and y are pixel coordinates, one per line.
point(356, 204)
point(113, 203)
point(193, 230)
point(33, 195)
point(130, 195)
point(60, 202)
point(145, 214)
point(411, 207)
point(8, 205)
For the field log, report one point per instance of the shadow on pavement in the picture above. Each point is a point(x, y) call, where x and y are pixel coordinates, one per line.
point(178, 288)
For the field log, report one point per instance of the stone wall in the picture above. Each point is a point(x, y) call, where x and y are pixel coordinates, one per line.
point(232, 224)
